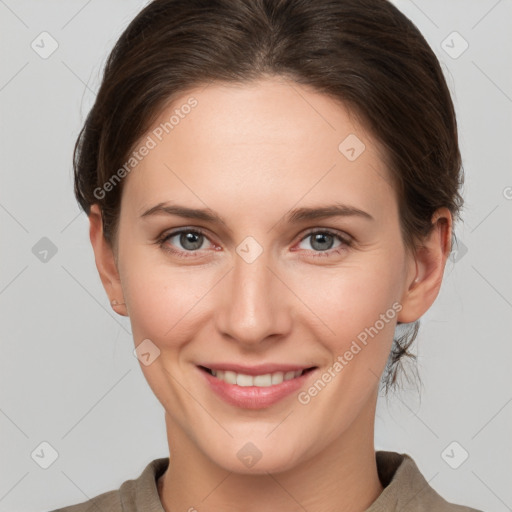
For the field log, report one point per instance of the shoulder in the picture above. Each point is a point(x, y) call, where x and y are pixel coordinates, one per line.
point(405, 488)
point(110, 501)
point(132, 496)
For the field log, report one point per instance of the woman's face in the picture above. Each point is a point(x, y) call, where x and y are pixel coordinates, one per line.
point(274, 285)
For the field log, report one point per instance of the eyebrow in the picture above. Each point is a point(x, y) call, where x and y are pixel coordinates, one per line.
point(293, 217)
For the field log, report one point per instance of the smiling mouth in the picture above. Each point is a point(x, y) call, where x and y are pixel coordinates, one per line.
point(264, 380)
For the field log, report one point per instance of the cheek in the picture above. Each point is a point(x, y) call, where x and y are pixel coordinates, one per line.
point(163, 299)
point(346, 301)
point(357, 302)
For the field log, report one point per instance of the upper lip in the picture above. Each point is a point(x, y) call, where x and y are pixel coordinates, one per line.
point(260, 369)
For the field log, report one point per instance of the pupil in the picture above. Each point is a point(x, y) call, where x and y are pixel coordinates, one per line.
point(190, 240)
point(321, 238)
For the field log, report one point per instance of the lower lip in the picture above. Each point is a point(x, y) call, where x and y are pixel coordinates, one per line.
point(254, 397)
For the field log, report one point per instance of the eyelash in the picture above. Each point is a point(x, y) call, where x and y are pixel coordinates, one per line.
point(346, 242)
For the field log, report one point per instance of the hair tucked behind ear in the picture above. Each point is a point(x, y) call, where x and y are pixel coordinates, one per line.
point(405, 335)
point(364, 53)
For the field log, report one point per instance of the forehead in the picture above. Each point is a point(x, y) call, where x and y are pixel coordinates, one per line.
point(261, 142)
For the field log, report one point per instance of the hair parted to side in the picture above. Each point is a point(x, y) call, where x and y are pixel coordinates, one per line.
point(363, 53)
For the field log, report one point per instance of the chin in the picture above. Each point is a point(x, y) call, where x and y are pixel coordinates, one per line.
point(249, 460)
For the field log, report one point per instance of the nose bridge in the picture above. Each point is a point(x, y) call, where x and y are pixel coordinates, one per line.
point(254, 307)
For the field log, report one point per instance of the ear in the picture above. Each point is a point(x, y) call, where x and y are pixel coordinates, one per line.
point(430, 260)
point(105, 261)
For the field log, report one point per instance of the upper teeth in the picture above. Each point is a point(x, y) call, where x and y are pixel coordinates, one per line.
point(269, 379)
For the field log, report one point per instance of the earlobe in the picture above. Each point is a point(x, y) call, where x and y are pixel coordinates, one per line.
point(105, 261)
point(430, 259)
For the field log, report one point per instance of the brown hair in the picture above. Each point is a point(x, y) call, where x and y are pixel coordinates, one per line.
point(364, 53)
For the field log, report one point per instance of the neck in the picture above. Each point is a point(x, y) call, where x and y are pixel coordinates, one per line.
point(341, 477)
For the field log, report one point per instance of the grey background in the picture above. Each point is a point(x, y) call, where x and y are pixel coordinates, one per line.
point(67, 373)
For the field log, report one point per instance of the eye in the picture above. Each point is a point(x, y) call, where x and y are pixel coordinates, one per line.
point(190, 241)
point(324, 242)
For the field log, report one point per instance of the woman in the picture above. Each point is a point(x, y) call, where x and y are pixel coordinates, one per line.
point(271, 188)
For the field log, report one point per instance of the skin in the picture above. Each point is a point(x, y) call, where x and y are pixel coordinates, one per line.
point(251, 153)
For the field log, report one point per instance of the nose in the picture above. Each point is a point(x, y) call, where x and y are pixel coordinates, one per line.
point(254, 305)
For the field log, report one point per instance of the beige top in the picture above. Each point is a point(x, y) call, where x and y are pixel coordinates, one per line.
point(405, 490)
